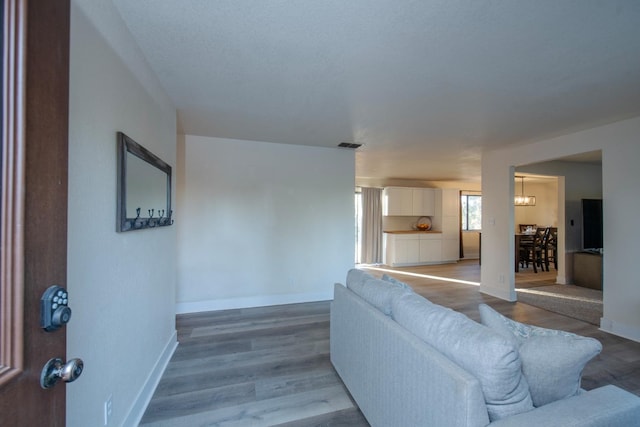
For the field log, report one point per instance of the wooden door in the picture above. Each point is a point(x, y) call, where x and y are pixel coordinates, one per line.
point(34, 204)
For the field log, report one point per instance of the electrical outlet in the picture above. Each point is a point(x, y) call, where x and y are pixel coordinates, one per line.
point(108, 410)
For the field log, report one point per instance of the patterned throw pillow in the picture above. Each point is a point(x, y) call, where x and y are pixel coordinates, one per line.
point(552, 360)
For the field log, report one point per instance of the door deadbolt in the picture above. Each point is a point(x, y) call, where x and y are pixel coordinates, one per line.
point(55, 369)
point(54, 308)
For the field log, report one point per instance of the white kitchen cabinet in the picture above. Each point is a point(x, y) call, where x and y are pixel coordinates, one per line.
point(450, 250)
point(423, 202)
point(407, 250)
point(430, 249)
point(401, 249)
point(407, 201)
point(450, 202)
point(412, 248)
point(450, 227)
point(450, 224)
point(397, 201)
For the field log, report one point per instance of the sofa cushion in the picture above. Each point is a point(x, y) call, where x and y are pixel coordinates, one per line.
point(379, 293)
point(487, 355)
point(356, 278)
point(388, 278)
point(552, 360)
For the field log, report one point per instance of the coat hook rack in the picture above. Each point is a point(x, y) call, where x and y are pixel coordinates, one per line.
point(152, 221)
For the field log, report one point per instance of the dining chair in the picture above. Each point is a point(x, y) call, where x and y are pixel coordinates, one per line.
point(526, 244)
point(551, 248)
point(525, 249)
point(532, 250)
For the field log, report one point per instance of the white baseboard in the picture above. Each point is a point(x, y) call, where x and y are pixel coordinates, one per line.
point(505, 294)
point(620, 329)
point(257, 301)
point(144, 396)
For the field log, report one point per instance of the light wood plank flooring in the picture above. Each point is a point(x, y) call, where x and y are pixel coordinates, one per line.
point(270, 366)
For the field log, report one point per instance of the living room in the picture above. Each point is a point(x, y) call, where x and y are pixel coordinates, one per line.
point(618, 142)
point(261, 221)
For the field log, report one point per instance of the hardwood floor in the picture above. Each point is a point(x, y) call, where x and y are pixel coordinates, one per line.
point(253, 367)
point(270, 366)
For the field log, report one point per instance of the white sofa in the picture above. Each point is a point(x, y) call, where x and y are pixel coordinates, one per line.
point(378, 347)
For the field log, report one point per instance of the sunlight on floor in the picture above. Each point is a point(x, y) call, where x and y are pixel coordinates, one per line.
point(425, 276)
point(556, 295)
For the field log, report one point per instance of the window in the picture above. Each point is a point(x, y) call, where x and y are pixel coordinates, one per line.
point(471, 212)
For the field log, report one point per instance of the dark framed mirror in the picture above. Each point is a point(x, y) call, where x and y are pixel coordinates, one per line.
point(144, 188)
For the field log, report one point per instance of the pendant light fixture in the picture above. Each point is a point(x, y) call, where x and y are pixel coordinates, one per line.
point(523, 200)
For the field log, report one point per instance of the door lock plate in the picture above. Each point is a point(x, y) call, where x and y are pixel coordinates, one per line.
point(54, 308)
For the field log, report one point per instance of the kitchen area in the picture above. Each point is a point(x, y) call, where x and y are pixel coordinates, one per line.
point(421, 226)
point(449, 214)
point(431, 225)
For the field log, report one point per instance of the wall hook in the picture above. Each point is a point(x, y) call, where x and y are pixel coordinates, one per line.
point(138, 222)
point(152, 221)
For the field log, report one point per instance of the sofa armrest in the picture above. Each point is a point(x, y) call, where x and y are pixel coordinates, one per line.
point(607, 406)
point(396, 378)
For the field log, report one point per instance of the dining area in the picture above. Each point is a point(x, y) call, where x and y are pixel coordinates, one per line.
point(536, 209)
point(536, 247)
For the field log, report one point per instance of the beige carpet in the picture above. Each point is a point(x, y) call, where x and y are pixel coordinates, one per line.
point(573, 301)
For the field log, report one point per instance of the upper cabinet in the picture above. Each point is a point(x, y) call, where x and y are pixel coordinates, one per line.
point(451, 202)
point(424, 202)
point(405, 201)
point(397, 201)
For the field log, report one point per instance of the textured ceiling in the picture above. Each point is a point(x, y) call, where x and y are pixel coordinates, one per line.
point(424, 85)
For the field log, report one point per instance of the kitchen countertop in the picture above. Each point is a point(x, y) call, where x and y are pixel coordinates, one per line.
point(412, 232)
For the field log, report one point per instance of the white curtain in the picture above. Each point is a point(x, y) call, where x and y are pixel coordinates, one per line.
point(371, 226)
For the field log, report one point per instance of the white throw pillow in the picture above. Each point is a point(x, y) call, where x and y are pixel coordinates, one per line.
point(390, 279)
point(380, 294)
point(552, 360)
point(485, 354)
point(356, 278)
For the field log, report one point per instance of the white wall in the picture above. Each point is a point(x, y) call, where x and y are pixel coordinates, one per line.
point(620, 145)
point(121, 285)
point(262, 223)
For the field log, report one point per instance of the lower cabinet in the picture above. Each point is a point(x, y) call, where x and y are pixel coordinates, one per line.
point(413, 249)
point(430, 249)
point(450, 250)
point(450, 238)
